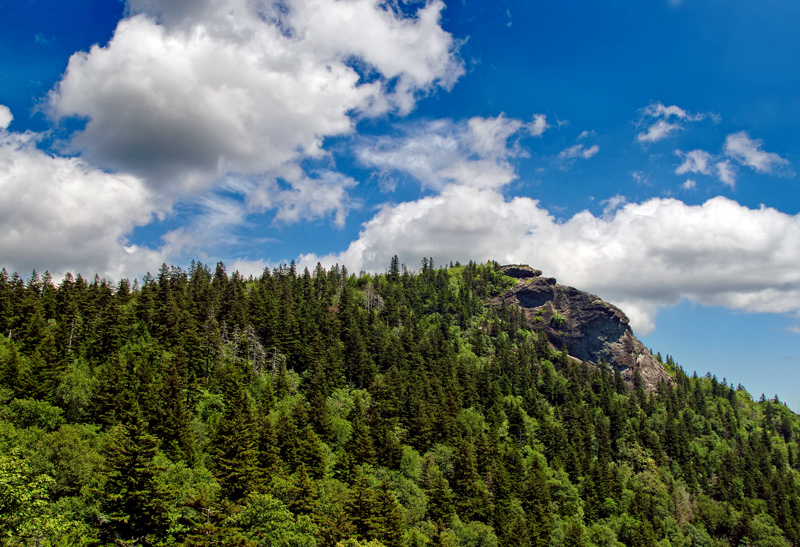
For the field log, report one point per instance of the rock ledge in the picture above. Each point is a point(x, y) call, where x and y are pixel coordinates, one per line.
point(593, 331)
point(520, 271)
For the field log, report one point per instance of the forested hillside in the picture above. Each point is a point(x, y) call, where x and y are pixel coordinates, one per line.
point(324, 408)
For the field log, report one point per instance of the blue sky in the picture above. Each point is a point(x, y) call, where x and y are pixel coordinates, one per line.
point(644, 151)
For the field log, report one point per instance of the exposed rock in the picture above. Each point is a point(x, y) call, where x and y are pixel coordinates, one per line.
point(592, 330)
point(520, 271)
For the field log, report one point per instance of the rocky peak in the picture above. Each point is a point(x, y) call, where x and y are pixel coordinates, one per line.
point(593, 331)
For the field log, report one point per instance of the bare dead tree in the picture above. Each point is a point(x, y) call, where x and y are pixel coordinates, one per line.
point(274, 359)
point(256, 353)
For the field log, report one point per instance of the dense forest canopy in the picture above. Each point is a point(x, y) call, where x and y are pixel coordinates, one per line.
point(325, 408)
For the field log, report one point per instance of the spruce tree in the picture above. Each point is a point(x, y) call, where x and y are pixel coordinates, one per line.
point(133, 502)
point(236, 465)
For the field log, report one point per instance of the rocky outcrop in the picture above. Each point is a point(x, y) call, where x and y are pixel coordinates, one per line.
point(592, 330)
point(520, 271)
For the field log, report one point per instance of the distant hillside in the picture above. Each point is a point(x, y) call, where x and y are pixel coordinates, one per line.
point(466, 405)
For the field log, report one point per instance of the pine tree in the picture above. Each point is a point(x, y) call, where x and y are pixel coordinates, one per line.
point(536, 502)
point(304, 493)
point(132, 500)
point(437, 489)
point(361, 506)
point(388, 521)
point(174, 424)
point(268, 450)
point(472, 498)
point(359, 448)
point(236, 465)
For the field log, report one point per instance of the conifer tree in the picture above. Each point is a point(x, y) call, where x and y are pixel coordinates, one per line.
point(472, 498)
point(536, 502)
point(174, 424)
point(388, 521)
point(236, 465)
point(359, 448)
point(132, 500)
point(361, 505)
point(304, 493)
point(268, 449)
point(437, 489)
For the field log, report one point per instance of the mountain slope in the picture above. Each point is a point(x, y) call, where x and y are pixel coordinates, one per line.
point(327, 409)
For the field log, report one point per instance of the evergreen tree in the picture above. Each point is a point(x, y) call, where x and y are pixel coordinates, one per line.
point(388, 521)
point(133, 502)
point(236, 465)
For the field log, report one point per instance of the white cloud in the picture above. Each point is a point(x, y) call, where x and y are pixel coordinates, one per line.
point(5, 117)
point(578, 151)
point(726, 173)
point(659, 130)
point(696, 161)
point(538, 126)
point(438, 153)
point(739, 147)
point(644, 256)
point(689, 184)
point(63, 214)
point(186, 93)
point(658, 110)
point(640, 177)
point(612, 204)
point(315, 197)
point(662, 128)
point(488, 137)
point(479, 173)
point(747, 151)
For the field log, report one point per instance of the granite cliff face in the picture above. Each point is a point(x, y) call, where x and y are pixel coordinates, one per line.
point(592, 330)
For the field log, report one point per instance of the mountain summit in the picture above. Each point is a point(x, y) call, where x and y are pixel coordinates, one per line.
point(592, 330)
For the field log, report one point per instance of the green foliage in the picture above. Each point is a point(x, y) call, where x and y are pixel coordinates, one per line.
point(24, 413)
point(23, 494)
point(323, 408)
point(267, 522)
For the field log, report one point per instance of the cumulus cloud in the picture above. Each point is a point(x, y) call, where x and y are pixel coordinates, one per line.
point(700, 161)
point(696, 161)
point(662, 128)
point(473, 153)
point(726, 173)
point(66, 215)
point(659, 130)
point(739, 147)
point(612, 204)
point(5, 117)
point(578, 151)
point(313, 197)
point(538, 126)
point(186, 93)
point(658, 110)
point(641, 257)
point(689, 184)
point(747, 151)
point(488, 137)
